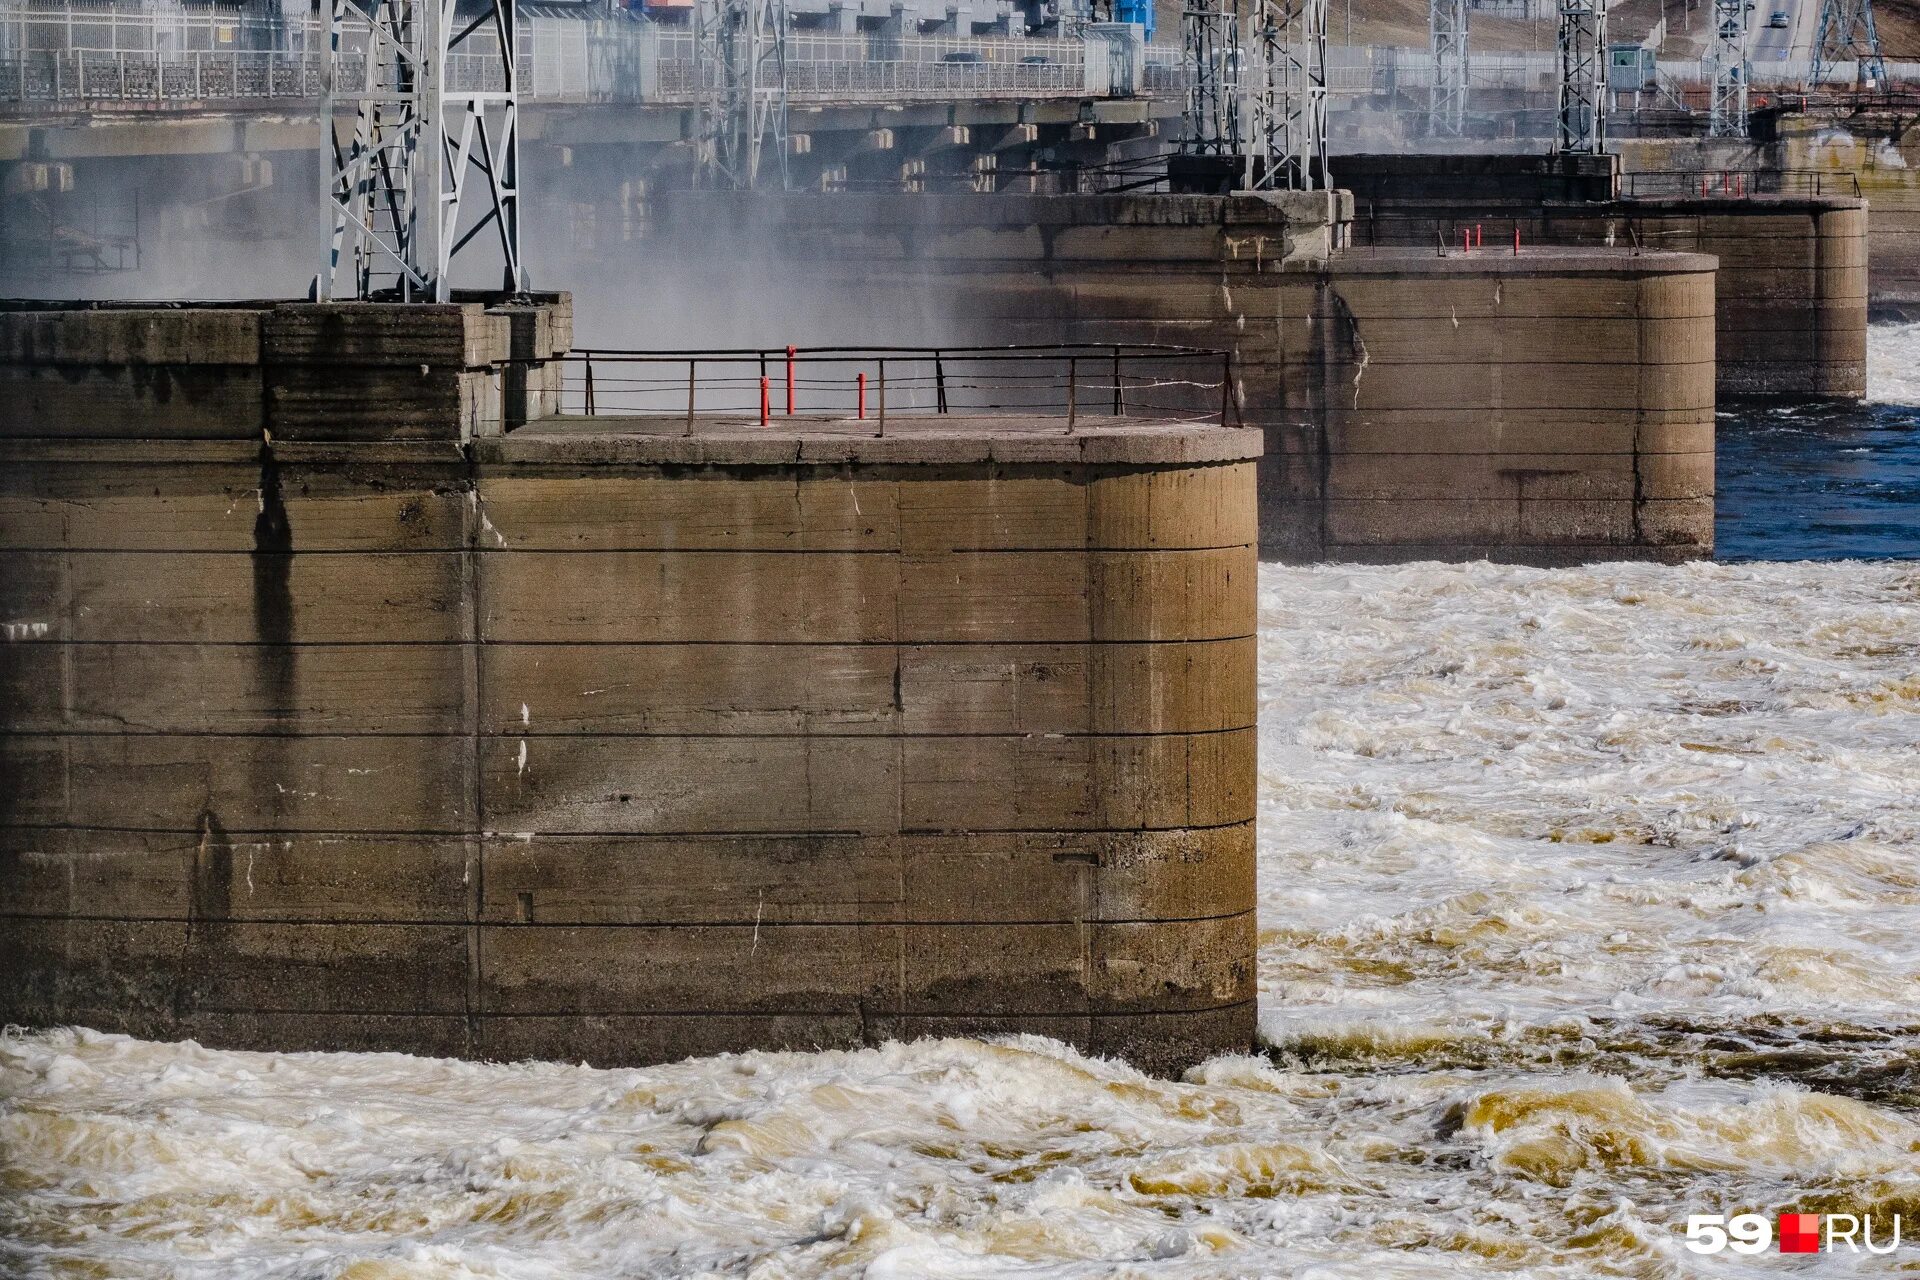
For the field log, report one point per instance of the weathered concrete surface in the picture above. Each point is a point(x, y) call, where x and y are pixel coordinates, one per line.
point(1879, 152)
point(1551, 408)
point(1791, 310)
point(576, 742)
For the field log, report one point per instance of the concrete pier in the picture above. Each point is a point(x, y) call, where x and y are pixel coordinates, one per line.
point(344, 709)
point(1549, 408)
point(1791, 292)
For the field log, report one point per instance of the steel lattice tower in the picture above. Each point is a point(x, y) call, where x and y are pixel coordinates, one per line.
point(397, 182)
point(1447, 40)
point(740, 57)
point(1728, 71)
point(1210, 34)
point(1287, 98)
point(1581, 124)
point(1847, 34)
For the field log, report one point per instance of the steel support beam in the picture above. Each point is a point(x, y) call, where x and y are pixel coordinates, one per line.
point(1287, 96)
point(740, 57)
point(1447, 41)
point(1847, 34)
point(1728, 71)
point(1581, 120)
point(428, 163)
point(1210, 37)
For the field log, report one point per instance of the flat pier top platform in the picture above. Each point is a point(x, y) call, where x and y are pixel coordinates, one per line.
point(908, 439)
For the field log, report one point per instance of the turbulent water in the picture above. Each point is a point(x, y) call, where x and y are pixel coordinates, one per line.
point(1590, 900)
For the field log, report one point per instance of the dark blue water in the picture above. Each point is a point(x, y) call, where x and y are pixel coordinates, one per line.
point(1826, 481)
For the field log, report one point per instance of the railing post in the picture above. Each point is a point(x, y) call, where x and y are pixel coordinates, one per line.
point(690, 365)
point(1226, 385)
point(883, 397)
point(766, 398)
point(589, 386)
point(940, 383)
point(790, 381)
point(862, 402)
point(1119, 406)
point(1073, 375)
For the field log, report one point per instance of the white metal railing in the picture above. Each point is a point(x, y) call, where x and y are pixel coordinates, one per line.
point(80, 54)
point(102, 52)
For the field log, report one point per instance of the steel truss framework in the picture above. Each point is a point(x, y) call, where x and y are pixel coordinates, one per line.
point(1210, 38)
point(1581, 121)
point(398, 182)
point(1447, 40)
point(1728, 71)
point(1847, 34)
point(740, 56)
point(1287, 96)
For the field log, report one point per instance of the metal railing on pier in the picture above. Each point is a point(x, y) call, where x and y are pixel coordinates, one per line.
point(868, 386)
point(1739, 183)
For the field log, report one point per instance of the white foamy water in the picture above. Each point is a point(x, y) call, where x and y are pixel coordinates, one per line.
point(1590, 899)
point(1893, 363)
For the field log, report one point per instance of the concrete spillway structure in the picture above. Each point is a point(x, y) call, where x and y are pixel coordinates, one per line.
point(336, 716)
point(1552, 407)
point(1791, 309)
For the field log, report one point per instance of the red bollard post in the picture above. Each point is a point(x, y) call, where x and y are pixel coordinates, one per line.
point(1466, 240)
point(863, 395)
point(766, 398)
point(1516, 239)
point(789, 382)
point(1479, 236)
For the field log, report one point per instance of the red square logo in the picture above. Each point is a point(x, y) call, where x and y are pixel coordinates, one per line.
point(1799, 1233)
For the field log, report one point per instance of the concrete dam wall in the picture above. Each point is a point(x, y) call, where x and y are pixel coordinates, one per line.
point(1550, 408)
point(338, 716)
point(1791, 291)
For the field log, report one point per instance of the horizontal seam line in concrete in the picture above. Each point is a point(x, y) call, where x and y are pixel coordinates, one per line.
point(644, 644)
point(465, 922)
point(861, 1011)
point(562, 735)
point(869, 1011)
point(519, 837)
point(614, 551)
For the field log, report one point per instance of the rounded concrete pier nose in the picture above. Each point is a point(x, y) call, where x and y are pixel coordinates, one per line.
point(601, 740)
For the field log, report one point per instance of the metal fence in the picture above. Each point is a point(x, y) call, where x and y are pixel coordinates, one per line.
point(1739, 183)
point(863, 387)
point(80, 56)
point(85, 52)
point(133, 78)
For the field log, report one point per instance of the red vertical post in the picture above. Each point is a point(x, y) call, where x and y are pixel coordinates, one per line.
point(863, 395)
point(1479, 236)
point(1466, 239)
point(1516, 239)
point(789, 382)
point(766, 398)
